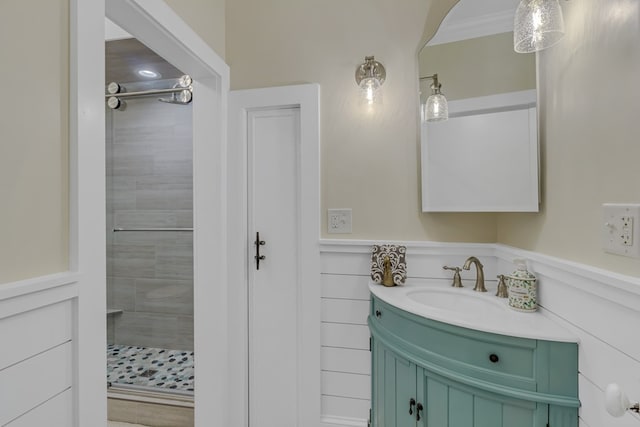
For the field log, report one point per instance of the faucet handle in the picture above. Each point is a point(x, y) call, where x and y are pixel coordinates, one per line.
point(457, 280)
point(503, 291)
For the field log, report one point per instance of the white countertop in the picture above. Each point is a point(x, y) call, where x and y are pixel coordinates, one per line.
point(497, 319)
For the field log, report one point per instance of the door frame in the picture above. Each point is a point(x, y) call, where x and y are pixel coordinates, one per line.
point(307, 98)
point(155, 24)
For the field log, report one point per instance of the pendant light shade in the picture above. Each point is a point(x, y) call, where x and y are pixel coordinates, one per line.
point(370, 90)
point(435, 108)
point(538, 25)
point(369, 76)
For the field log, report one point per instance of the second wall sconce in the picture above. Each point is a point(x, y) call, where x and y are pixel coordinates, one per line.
point(436, 108)
point(538, 24)
point(370, 76)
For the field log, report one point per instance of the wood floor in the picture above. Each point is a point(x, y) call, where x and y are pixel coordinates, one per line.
point(148, 414)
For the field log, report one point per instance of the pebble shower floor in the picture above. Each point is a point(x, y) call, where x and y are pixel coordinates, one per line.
point(150, 367)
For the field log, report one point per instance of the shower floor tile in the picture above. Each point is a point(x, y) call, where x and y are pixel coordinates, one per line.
point(150, 367)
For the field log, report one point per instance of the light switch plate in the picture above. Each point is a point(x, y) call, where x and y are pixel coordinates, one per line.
point(621, 229)
point(339, 221)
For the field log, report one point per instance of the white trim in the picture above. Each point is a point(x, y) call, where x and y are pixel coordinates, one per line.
point(611, 286)
point(481, 26)
point(488, 104)
point(26, 287)
point(156, 25)
point(343, 421)
point(617, 288)
point(25, 295)
point(114, 32)
point(307, 98)
point(87, 209)
point(416, 247)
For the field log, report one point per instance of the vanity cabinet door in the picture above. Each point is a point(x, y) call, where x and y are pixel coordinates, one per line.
point(451, 404)
point(394, 387)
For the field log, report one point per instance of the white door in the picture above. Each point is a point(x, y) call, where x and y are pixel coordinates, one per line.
point(273, 147)
point(274, 306)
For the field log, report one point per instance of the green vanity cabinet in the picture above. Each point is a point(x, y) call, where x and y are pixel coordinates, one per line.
point(433, 374)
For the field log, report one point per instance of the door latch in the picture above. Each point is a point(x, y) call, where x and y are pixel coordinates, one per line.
point(259, 243)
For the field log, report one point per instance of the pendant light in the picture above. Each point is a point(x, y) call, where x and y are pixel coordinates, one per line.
point(436, 108)
point(538, 24)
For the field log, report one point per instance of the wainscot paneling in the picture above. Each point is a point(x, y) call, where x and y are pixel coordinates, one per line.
point(36, 361)
point(601, 308)
point(56, 411)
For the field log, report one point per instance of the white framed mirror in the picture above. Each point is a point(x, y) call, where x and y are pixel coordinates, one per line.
point(484, 158)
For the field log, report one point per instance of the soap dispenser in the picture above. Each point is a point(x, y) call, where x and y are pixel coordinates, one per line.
point(522, 288)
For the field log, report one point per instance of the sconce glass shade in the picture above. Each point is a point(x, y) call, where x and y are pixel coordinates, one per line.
point(436, 108)
point(370, 91)
point(370, 76)
point(538, 24)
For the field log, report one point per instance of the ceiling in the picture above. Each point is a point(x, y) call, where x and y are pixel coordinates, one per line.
point(126, 56)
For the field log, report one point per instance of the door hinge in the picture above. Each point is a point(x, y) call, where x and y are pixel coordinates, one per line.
point(369, 420)
point(371, 348)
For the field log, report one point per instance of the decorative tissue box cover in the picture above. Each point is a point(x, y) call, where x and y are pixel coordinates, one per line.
point(396, 254)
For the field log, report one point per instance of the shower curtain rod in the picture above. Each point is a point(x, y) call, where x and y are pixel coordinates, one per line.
point(147, 92)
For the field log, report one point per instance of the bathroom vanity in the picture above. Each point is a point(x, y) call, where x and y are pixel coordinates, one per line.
point(447, 357)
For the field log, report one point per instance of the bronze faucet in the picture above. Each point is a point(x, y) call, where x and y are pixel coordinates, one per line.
point(457, 280)
point(479, 273)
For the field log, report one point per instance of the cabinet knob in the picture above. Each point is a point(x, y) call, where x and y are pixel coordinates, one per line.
point(494, 358)
point(378, 313)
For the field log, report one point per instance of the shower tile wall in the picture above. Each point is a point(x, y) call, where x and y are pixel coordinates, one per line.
point(149, 185)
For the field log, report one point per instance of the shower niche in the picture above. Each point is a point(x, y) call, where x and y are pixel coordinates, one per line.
point(149, 228)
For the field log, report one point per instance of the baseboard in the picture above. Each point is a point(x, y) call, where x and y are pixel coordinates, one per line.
point(343, 421)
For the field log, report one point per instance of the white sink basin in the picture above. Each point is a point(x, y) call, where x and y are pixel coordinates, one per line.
point(435, 299)
point(458, 300)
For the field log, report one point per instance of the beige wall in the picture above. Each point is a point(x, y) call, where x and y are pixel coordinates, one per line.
point(34, 72)
point(478, 67)
point(370, 162)
point(34, 134)
point(205, 17)
point(590, 101)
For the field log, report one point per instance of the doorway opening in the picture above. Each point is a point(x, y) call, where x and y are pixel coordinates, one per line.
point(149, 235)
point(188, 311)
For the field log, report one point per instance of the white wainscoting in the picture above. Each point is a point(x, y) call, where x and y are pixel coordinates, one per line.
point(36, 362)
point(602, 308)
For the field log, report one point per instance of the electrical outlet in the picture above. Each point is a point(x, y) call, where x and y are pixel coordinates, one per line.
point(621, 229)
point(627, 231)
point(339, 221)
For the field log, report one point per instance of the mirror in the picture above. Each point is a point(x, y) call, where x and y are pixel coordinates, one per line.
point(485, 157)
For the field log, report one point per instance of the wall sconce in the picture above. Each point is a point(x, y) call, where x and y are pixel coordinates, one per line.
point(538, 24)
point(435, 108)
point(370, 75)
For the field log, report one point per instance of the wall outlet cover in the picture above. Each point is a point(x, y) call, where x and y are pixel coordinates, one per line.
point(339, 221)
point(621, 229)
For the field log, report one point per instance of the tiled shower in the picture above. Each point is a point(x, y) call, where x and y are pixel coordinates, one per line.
point(150, 244)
